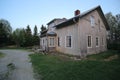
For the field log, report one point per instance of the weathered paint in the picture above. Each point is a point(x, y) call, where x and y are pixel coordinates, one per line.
point(79, 33)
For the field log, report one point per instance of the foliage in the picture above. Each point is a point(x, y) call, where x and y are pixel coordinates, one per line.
point(28, 37)
point(24, 38)
point(19, 37)
point(51, 67)
point(5, 32)
point(35, 36)
point(114, 35)
point(43, 28)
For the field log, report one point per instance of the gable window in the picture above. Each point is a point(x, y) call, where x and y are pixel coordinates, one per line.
point(92, 21)
point(52, 42)
point(89, 41)
point(97, 42)
point(99, 24)
point(68, 41)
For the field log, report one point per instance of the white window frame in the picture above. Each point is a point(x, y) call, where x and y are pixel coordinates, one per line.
point(66, 42)
point(92, 21)
point(88, 42)
point(97, 39)
point(53, 43)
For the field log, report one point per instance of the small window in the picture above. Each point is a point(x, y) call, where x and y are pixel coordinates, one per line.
point(52, 42)
point(92, 21)
point(97, 42)
point(68, 41)
point(89, 41)
point(58, 41)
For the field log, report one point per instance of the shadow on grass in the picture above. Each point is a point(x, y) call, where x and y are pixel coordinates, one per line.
point(51, 67)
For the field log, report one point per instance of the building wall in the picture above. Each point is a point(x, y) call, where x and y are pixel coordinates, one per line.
point(55, 22)
point(86, 29)
point(44, 43)
point(79, 33)
point(72, 31)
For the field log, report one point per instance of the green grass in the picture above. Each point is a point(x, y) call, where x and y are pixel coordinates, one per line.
point(1, 55)
point(51, 67)
point(103, 55)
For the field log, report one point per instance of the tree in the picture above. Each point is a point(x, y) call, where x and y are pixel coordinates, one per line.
point(5, 32)
point(35, 31)
point(19, 37)
point(43, 28)
point(28, 36)
point(35, 36)
point(114, 24)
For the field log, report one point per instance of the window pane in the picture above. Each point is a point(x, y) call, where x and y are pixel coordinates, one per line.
point(96, 41)
point(92, 21)
point(89, 41)
point(68, 41)
point(51, 41)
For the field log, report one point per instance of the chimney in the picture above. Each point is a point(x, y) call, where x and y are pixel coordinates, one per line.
point(77, 12)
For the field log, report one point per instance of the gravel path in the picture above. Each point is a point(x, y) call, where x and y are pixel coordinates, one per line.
point(23, 68)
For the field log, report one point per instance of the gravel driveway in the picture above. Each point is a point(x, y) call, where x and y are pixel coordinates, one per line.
point(23, 68)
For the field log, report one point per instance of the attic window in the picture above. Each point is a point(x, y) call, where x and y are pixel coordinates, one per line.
point(99, 24)
point(92, 21)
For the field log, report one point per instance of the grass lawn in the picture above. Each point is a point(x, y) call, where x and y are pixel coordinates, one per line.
point(1, 55)
point(51, 67)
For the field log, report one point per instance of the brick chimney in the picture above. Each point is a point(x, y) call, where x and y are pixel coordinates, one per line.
point(77, 12)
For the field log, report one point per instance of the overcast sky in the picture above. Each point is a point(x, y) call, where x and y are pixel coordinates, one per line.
point(20, 13)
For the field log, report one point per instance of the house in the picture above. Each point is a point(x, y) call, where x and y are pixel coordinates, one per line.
point(81, 35)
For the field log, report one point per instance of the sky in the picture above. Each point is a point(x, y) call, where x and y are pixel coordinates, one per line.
point(21, 13)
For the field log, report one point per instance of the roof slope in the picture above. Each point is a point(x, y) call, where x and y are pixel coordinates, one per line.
point(76, 18)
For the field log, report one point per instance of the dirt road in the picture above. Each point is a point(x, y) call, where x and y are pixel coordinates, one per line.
point(23, 68)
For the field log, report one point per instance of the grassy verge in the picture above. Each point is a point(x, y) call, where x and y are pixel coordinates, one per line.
point(103, 55)
point(51, 67)
point(1, 55)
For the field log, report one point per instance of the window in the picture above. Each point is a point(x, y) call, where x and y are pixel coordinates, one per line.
point(89, 41)
point(52, 42)
point(92, 21)
point(99, 24)
point(97, 42)
point(58, 41)
point(68, 41)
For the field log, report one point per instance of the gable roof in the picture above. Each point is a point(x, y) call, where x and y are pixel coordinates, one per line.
point(76, 18)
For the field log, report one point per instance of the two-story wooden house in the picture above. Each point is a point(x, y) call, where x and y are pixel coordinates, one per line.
point(81, 35)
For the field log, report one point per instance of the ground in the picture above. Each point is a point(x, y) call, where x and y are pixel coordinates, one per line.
point(103, 66)
point(20, 63)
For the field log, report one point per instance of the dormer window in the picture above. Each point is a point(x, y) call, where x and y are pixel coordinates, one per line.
point(92, 21)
